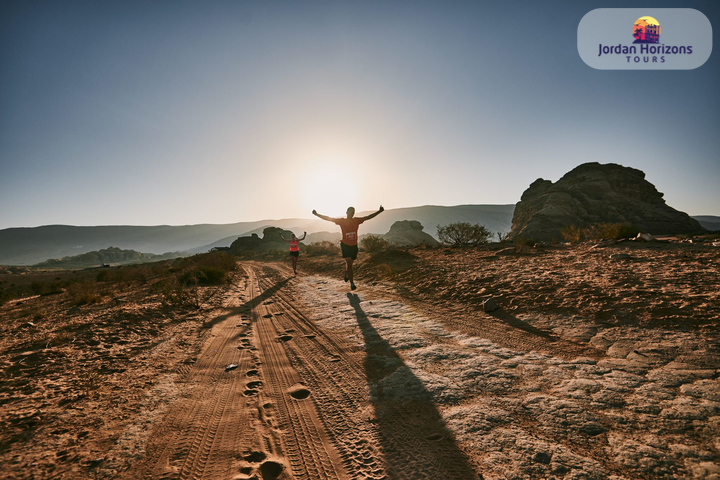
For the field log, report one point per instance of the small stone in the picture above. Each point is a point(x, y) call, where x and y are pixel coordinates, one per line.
point(232, 366)
point(644, 237)
point(620, 256)
point(542, 457)
point(490, 305)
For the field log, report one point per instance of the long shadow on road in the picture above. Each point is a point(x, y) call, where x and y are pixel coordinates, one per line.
point(415, 442)
point(249, 305)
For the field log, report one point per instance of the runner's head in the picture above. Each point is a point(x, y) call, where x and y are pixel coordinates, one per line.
point(350, 212)
point(294, 237)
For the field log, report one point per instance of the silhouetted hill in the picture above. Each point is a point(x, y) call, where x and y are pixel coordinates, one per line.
point(28, 246)
point(109, 256)
point(710, 222)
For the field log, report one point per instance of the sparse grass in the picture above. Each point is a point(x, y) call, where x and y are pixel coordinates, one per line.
point(610, 231)
point(572, 234)
point(325, 247)
point(83, 293)
point(599, 231)
point(522, 243)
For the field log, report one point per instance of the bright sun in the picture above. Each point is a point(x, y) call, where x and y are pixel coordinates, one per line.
point(330, 190)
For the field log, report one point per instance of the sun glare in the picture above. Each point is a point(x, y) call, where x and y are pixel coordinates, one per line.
point(329, 190)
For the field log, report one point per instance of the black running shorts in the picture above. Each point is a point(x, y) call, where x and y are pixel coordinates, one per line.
point(349, 251)
point(295, 254)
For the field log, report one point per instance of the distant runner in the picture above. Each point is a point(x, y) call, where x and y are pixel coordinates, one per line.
point(294, 248)
point(348, 244)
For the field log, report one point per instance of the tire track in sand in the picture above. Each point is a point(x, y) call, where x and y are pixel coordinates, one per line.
point(378, 436)
point(253, 421)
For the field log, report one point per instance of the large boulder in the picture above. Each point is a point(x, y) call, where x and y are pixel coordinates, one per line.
point(595, 193)
point(409, 233)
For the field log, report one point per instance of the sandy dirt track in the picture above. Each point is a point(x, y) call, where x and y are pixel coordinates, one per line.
point(372, 384)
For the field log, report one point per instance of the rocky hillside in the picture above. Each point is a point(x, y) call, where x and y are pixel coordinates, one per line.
point(596, 193)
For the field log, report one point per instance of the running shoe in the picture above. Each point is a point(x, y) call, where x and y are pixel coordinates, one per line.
point(346, 277)
point(352, 286)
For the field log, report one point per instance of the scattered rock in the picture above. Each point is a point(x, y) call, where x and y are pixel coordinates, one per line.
point(620, 256)
point(542, 457)
point(490, 305)
point(232, 366)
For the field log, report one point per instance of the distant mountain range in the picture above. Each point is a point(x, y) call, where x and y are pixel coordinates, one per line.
point(28, 246)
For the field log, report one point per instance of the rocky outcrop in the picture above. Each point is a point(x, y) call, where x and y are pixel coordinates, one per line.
point(409, 233)
point(270, 241)
point(596, 193)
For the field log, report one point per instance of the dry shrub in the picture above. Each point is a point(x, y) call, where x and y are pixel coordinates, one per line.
point(572, 234)
point(610, 231)
point(325, 247)
point(374, 243)
point(206, 269)
point(83, 293)
point(463, 233)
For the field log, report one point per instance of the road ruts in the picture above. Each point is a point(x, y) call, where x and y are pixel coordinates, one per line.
point(206, 434)
point(378, 438)
point(287, 405)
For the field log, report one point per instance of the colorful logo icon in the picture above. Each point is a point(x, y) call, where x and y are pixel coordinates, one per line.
point(646, 30)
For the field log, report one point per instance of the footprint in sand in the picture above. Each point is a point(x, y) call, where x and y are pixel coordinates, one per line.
point(271, 470)
point(254, 457)
point(299, 391)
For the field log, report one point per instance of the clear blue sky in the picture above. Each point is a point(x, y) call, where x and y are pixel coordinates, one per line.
point(171, 112)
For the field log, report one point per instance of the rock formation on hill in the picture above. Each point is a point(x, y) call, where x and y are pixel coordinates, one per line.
point(596, 193)
point(409, 233)
point(270, 241)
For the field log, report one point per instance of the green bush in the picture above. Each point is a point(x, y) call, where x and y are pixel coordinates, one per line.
point(463, 233)
point(374, 243)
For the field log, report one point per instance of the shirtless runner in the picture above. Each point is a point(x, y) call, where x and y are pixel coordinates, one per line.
point(348, 244)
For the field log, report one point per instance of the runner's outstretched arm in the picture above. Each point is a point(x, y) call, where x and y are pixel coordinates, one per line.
point(324, 217)
point(304, 235)
point(373, 215)
point(283, 238)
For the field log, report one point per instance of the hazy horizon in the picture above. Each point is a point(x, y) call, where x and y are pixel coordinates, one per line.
point(185, 113)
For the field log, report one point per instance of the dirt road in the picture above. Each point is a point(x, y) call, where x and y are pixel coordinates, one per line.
point(331, 384)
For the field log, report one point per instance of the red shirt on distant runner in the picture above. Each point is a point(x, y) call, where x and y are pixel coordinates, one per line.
point(349, 227)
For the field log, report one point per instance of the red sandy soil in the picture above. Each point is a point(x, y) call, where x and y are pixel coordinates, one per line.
point(594, 366)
